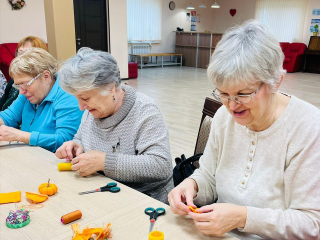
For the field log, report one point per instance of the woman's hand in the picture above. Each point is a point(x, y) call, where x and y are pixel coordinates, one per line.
point(89, 162)
point(69, 150)
point(11, 134)
point(219, 218)
point(184, 192)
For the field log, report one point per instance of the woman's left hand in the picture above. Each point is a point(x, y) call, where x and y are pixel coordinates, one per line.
point(11, 134)
point(89, 162)
point(219, 218)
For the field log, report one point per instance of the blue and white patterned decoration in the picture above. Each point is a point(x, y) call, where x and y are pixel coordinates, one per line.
point(316, 12)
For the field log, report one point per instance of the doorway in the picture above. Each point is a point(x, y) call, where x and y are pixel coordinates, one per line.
point(91, 24)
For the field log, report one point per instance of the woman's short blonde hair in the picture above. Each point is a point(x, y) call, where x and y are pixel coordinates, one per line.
point(32, 62)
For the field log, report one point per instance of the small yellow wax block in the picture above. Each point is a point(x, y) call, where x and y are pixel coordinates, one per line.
point(156, 235)
point(65, 166)
point(10, 197)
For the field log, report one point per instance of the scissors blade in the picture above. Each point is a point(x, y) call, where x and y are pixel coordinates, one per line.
point(151, 225)
point(92, 191)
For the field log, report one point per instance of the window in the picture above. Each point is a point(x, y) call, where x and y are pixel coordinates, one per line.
point(144, 20)
point(284, 18)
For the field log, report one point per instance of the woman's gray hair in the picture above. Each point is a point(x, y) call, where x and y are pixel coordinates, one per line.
point(247, 53)
point(89, 69)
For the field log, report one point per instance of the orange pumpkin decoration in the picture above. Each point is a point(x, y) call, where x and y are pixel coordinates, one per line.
point(36, 197)
point(48, 188)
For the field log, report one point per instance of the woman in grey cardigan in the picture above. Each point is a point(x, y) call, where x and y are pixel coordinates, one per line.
point(122, 132)
point(259, 174)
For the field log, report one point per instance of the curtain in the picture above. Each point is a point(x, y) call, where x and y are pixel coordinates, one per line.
point(144, 19)
point(284, 18)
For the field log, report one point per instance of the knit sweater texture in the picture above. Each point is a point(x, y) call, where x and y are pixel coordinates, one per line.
point(136, 142)
point(275, 173)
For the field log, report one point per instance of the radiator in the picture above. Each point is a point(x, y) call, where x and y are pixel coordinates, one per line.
point(141, 48)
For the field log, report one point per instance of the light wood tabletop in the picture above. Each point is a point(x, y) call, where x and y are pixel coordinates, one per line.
point(24, 168)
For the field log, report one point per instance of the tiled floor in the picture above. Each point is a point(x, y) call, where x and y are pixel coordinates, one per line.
point(180, 93)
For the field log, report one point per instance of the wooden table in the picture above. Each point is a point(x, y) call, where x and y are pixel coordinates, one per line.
point(162, 63)
point(24, 168)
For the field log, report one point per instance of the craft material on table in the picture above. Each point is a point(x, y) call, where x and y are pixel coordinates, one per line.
point(110, 187)
point(194, 210)
point(156, 235)
point(154, 213)
point(36, 197)
point(10, 197)
point(65, 166)
point(86, 234)
point(70, 217)
point(18, 219)
point(48, 188)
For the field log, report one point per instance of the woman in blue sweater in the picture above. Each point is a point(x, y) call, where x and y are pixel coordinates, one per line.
point(48, 115)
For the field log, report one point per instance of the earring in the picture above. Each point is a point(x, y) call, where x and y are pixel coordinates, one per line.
point(113, 98)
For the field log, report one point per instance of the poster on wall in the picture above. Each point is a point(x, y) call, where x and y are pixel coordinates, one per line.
point(188, 17)
point(193, 26)
point(314, 22)
point(316, 12)
point(193, 13)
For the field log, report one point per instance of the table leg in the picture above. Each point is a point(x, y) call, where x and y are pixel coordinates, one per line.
point(181, 60)
point(141, 62)
point(162, 61)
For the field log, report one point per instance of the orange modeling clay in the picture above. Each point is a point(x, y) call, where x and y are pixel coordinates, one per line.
point(194, 210)
point(86, 234)
point(36, 197)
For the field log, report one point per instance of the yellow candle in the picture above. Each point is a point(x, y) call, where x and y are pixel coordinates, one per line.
point(64, 167)
point(156, 235)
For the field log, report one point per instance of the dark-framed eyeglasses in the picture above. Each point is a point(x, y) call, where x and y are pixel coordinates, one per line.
point(26, 85)
point(241, 99)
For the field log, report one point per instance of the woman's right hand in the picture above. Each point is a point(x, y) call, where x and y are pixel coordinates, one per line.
point(69, 150)
point(184, 192)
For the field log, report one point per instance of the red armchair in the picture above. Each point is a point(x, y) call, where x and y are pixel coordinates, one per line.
point(293, 54)
point(7, 53)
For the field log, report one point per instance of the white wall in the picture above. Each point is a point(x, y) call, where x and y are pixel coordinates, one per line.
point(214, 20)
point(311, 5)
point(118, 34)
point(18, 24)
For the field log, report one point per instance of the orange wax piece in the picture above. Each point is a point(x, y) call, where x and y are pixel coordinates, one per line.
point(10, 197)
point(194, 210)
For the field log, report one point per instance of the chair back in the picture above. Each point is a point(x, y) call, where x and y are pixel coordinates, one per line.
point(209, 110)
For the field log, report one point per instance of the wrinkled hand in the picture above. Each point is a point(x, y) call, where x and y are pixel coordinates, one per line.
point(89, 162)
point(184, 192)
point(69, 149)
point(11, 134)
point(219, 218)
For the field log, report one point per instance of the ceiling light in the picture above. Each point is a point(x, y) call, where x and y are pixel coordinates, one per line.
point(202, 5)
point(190, 7)
point(215, 5)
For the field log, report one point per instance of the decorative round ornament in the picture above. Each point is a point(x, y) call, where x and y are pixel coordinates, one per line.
point(17, 4)
point(18, 219)
point(172, 5)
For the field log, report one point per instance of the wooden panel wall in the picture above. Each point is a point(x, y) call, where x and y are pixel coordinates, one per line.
point(189, 55)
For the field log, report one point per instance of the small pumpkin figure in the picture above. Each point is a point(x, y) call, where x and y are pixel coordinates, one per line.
point(48, 188)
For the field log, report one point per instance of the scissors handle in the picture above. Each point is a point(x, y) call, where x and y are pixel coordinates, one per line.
point(150, 211)
point(159, 212)
point(110, 189)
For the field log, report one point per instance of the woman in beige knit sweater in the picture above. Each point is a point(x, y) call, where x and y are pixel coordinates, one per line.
point(259, 175)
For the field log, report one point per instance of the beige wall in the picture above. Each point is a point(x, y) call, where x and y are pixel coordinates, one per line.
point(214, 20)
point(60, 28)
point(311, 5)
point(15, 25)
point(118, 34)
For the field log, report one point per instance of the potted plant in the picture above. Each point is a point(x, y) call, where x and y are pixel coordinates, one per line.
point(316, 27)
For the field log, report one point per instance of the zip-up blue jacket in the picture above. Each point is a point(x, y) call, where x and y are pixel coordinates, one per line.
point(55, 121)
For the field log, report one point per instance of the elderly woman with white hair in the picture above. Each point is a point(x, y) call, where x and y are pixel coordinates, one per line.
point(47, 115)
point(259, 174)
point(122, 132)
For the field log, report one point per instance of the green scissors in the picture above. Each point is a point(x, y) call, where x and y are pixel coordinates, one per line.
point(154, 213)
point(111, 187)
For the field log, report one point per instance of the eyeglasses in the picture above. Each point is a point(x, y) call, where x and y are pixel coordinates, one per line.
point(26, 85)
point(241, 99)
